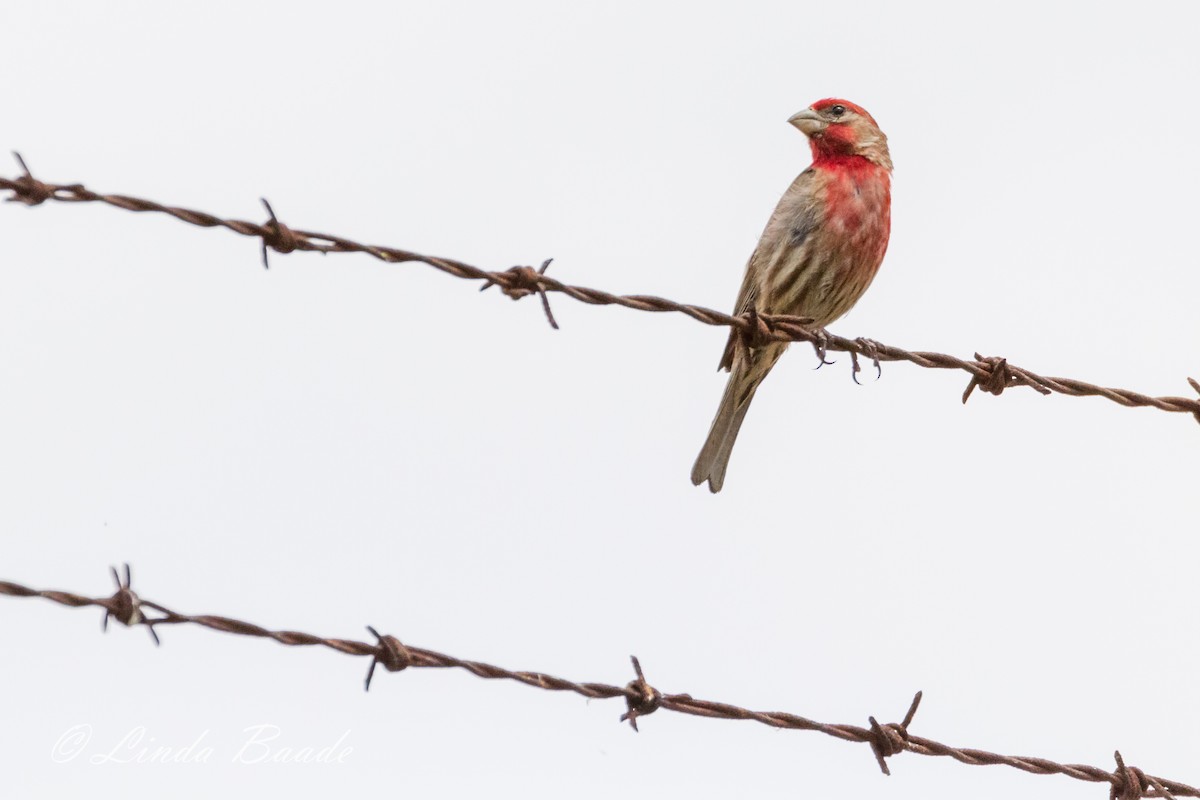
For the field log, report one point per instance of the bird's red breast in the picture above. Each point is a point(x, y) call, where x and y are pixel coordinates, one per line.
point(858, 201)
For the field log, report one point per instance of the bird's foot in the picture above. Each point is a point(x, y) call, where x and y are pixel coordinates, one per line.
point(820, 346)
point(870, 349)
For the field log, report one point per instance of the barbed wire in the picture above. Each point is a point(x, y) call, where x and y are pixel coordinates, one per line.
point(641, 698)
point(990, 374)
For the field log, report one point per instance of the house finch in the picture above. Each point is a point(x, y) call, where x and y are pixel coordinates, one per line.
point(817, 255)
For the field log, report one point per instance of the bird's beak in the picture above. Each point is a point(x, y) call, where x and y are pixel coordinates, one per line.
point(808, 121)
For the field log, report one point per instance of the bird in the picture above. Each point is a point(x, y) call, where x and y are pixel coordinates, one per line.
point(819, 252)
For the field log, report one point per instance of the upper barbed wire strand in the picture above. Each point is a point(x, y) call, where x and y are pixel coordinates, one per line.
point(989, 373)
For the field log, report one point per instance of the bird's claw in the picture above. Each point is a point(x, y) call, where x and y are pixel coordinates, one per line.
point(820, 345)
point(870, 349)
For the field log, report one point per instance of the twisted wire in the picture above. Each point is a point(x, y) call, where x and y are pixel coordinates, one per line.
point(640, 696)
point(988, 373)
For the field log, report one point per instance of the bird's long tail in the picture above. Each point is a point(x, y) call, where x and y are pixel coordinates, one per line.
point(748, 372)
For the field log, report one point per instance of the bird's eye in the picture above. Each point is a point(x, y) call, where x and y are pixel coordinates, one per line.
point(837, 110)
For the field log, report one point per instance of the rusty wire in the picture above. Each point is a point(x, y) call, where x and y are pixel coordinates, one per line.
point(641, 698)
point(988, 373)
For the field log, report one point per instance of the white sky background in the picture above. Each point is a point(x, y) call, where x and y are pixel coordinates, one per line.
point(337, 442)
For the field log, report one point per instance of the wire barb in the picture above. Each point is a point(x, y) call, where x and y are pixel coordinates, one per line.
point(642, 698)
point(28, 189)
point(125, 606)
point(891, 739)
point(1130, 783)
point(522, 282)
point(393, 655)
point(752, 331)
point(279, 237)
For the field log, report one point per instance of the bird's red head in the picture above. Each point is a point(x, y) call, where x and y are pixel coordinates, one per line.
point(838, 128)
point(830, 103)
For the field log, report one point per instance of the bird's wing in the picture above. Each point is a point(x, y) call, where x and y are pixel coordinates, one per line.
point(795, 217)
